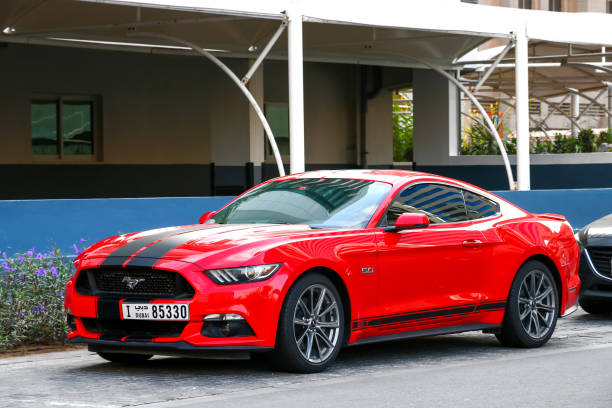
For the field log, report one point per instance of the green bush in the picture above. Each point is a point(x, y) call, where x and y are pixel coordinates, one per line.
point(477, 140)
point(402, 129)
point(586, 140)
point(32, 298)
point(604, 137)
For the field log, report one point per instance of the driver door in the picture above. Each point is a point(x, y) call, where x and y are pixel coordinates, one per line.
point(428, 275)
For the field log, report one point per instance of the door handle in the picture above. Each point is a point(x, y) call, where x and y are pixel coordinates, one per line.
point(472, 243)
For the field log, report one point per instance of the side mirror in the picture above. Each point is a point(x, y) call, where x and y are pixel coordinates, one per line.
point(206, 216)
point(408, 221)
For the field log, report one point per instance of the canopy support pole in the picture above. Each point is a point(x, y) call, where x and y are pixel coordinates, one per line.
point(575, 106)
point(264, 53)
point(592, 100)
point(482, 111)
point(235, 79)
point(521, 79)
point(297, 159)
point(493, 66)
point(609, 84)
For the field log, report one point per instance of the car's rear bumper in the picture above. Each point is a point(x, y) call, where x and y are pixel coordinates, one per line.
point(178, 348)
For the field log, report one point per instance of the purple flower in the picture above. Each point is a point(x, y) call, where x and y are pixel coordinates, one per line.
point(20, 314)
point(30, 253)
point(76, 249)
point(60, 293)
point(41, 272)
point(5, 265)
point(21, 276)
point(39, 256)
point(11, 269)
point(4, 255)
point(82, 240)
point(21, 258)
point(53, 271)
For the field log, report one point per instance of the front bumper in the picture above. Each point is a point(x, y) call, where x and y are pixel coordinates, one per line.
point(258, 303)
point(593, 284)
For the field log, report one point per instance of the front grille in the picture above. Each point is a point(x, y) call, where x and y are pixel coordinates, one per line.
point(150, 283)
point(602, 259)
point(135, 328)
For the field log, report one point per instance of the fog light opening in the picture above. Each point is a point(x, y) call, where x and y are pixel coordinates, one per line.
point(226, 325)
point(71, 321)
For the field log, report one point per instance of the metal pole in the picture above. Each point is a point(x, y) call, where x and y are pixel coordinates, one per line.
point(575, 106)
point(609, 84)
point(296, 93)
point(522, 110)
point(492, 67)
point(233, 77)
point(264, 53)
point(482, 111)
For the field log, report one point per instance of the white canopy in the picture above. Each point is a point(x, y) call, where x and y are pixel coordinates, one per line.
point(382, 32)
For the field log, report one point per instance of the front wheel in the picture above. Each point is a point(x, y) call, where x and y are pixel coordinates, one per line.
point(532, 309)
point(311, 326)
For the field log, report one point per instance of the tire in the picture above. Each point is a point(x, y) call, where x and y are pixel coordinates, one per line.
point(125, 358)
point(313, 344)
point(529, 321)
point(595, 307)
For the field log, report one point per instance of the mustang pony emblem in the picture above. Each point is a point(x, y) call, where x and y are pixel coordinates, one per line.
point(131, 282)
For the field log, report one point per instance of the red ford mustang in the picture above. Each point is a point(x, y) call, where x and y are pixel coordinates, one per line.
point(303, 265)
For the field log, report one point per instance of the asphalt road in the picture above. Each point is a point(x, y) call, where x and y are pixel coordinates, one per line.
point(463, 370)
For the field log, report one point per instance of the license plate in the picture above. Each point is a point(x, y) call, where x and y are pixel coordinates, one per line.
point(155, 311)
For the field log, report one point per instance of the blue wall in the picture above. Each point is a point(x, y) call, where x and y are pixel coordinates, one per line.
point(44, 224)
point(580, 207)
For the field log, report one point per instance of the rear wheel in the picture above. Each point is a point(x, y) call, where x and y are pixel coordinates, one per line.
point(532, 309)
point(125, 358)
point(595, 307)
point(311, 326)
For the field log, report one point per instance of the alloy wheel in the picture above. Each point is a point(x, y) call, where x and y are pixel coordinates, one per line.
point(537, 304)
point(316, 323)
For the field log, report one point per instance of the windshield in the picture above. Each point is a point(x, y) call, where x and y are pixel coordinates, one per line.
point(320, 203)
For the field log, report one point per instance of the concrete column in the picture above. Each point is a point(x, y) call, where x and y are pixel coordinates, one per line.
point(436, 123)
point(257, 141)
point(575, 106)
point(523, 175)
point(296, 93)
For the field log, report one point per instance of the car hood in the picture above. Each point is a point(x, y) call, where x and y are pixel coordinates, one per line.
point(597, 233)
point(199, 244)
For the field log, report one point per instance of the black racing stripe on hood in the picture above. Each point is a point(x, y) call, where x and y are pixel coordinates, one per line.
point(150, 255)
point(125, 252)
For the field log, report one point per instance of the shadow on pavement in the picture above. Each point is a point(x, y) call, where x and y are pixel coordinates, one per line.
point(354, 358)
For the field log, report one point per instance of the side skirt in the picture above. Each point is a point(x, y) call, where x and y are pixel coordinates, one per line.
point(428, 332)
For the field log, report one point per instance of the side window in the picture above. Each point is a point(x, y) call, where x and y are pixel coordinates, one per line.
point(479, 206)
point(439, 202)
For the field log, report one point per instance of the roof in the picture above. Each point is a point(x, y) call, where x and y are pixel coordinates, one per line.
point(392, 176)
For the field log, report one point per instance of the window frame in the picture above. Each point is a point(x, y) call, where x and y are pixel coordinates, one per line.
point(497, 205)
point(95, 128)
point(268, 154)
point(383, 215)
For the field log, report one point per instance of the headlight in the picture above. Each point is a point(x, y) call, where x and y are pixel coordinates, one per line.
point(243, 274)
